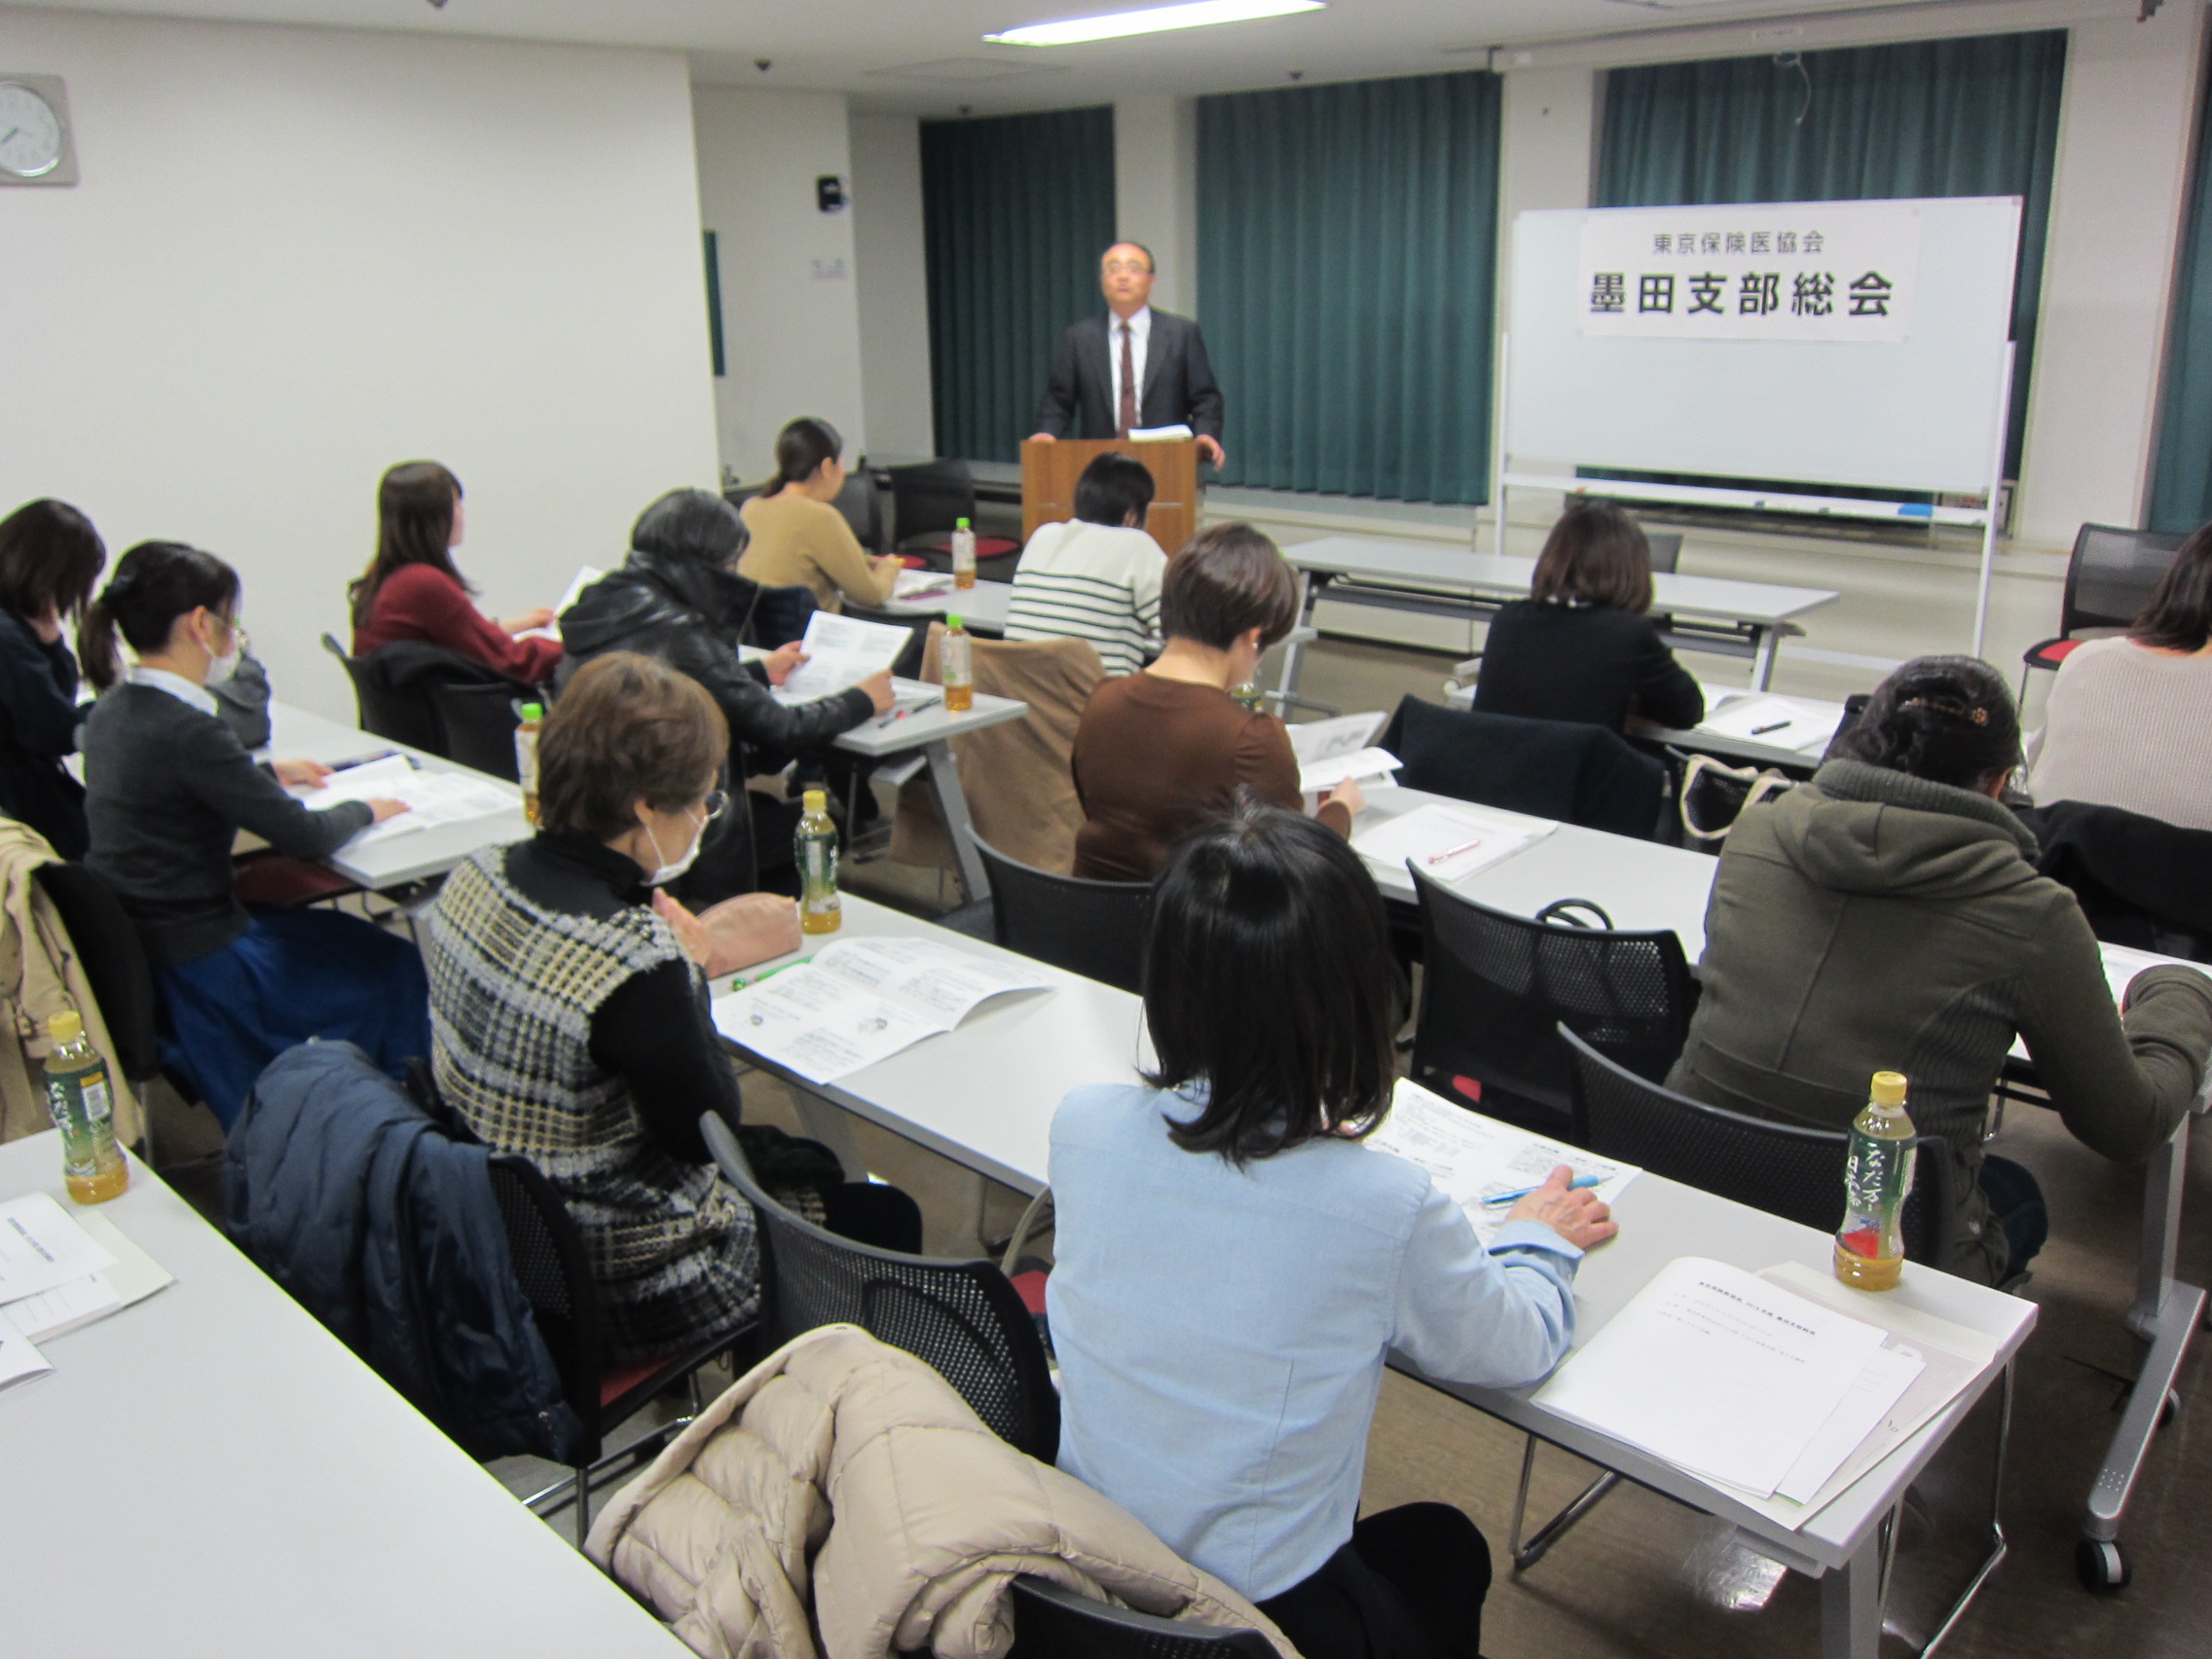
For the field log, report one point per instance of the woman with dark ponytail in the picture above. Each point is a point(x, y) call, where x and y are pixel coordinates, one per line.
point(798, 538)
point(168, 789)
point(49, 557)
point(1887, 916)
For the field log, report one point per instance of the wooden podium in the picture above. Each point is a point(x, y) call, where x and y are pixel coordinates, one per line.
point(1049, 469)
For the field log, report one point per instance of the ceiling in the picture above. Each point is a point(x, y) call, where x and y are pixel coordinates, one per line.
point(927, 57)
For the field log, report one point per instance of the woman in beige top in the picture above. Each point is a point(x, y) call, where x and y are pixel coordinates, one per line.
point(798, 538)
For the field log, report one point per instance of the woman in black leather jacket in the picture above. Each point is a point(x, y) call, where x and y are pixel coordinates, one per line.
point(678, 598)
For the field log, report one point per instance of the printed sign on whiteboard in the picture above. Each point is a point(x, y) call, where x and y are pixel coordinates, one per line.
point(1778, 271)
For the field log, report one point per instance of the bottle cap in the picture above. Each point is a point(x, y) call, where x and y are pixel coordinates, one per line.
point(959, 524)
point(953, 621)
point(66, 1026)
point(1888, 1089)
point(817, 800)
point(534, 711)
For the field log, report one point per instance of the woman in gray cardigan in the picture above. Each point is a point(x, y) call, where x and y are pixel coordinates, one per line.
point(1887, 916)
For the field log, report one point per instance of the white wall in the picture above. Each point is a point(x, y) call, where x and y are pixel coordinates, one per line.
point(1155, 192)
point(300, 255)
point(891, 272)
point(790, 320)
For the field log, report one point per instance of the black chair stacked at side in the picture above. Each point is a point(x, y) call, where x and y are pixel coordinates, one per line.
point(1092, 928)
point(963, 1317)
point(555, 1275)
point(1495, 988)
point(479, 723)
point(927, 504)
point(2109, 579)
point(1052, 1622)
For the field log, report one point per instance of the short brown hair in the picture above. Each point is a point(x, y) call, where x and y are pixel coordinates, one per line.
point(627, 727)
point(1223, 581)
point(2178, 617)
point(1595, 555)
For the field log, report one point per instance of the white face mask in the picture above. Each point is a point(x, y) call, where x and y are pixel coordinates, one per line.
point(220, 669)
point(668, 872)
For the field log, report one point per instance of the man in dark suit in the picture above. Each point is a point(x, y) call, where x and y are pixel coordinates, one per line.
point(1132, 368)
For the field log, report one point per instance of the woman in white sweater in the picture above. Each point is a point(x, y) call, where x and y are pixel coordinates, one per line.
point(2130, 718)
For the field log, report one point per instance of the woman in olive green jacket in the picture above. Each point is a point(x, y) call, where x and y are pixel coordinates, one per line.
point(1887, 916)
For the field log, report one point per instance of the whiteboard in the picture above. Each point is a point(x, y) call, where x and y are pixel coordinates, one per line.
point(1921, 413)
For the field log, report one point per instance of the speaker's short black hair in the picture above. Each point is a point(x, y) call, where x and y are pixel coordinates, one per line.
point(1111, 489)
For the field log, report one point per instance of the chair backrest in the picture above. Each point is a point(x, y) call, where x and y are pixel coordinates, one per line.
point(964, 1318)
point(931, 497)
point(2110, 577)
point(1794, 1170)
point(910, 663)
point(480, 722)
point(555, 1275)
point(115, 963)
point(1560, 770)
point(780, 615)
point(1092, 928)
point(1666, 549)
point(1495, 988)
point(861, 502)
point(1051, 1622)
point(382, 712)
point(737, 494)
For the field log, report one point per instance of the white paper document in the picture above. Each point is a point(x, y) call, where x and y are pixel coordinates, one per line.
point(1874, 1394)
point(861, 1000)
point(1716, 1370)
point(1472, 1158)
point(42, 1246)
point(921, 584)
point(1367, 765)
point(1159, 435)
point(1771, 720)
point(1447, 843)
point(1315, 741)
point(841, 651)
point(432, 797)
point(585, 576)
point(20, 1358)
point(132, 1276)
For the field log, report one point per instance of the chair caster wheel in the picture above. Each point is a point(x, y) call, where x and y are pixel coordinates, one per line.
point(2101, 1565)
point(2171, 1408)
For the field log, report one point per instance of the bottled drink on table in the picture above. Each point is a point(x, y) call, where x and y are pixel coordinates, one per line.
point(526, 757)
point(959, 664)
point(819, 911)
point(82, 1099)
point(1250, 695)
point(1869, 1246)
point(963, 555)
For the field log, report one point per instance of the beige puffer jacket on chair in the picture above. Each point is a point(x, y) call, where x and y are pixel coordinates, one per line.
point(842, 1455)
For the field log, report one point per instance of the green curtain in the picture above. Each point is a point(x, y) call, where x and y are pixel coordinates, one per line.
point(1348, 252)
point(2181, 474)
point(1015, 212)
point(1975, 117)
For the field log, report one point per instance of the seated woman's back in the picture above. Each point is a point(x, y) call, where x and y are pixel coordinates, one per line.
point(1097, 575)
point(798, 538)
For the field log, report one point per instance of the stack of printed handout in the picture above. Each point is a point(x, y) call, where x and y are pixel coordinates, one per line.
point(1778, 724)
point(61, 1267)
point(1333, 752)
point(432, 798)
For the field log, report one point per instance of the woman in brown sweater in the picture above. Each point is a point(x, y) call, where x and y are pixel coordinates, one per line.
point(1161, 750)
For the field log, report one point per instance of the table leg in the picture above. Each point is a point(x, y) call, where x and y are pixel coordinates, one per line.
point(1294, 654)
point(1764, 641)
point(833, 1125)
point(952, 804)
point(1851, 1604)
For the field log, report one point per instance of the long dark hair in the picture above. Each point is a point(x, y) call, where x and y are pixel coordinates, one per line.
point(2178, 617)
point(49, 557)
point(1947, 719)
point(694, 525)
point(154, 585)
point(415, 504)
point(1269, 980)
point(1595, 554)
point(800, 450)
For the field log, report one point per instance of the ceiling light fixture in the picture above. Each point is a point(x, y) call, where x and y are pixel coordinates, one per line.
point(1153, 20)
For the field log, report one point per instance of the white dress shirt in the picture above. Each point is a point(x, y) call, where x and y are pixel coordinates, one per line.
point(1141, 343)
point(176, 685)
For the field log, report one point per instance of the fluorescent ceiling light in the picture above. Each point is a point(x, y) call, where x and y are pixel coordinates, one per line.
point(1152, 20)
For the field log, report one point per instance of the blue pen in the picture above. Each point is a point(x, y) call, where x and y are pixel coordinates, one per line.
point(1578, 1183)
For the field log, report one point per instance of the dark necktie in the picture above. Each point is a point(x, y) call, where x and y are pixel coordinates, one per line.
point(1128, 383)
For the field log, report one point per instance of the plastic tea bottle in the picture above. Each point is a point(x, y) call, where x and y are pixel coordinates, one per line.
point(82, 1103)
point(819, 911)
point(959, 665)
point(963, 555)
point(1250, 695)
point(1869, 1248)
point(526, 757)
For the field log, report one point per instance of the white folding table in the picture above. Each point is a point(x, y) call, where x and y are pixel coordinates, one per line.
point(932, 730)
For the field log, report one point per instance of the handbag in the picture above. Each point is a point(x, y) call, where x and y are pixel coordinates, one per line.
point(1715, 795)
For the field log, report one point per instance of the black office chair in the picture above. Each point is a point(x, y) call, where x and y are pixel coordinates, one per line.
point(1052, 1622)
point(964, 1318)
point(1092, 928)
point(2109, 580)
point(779, 615)
point(555, 1275)
point(927, 502)
point(383, 712)
point(737, 494)
point(1495, 988)
point(1666, 549)
point(1559, 769)
point(861, 502)
point(479, 724)
point(395, 688)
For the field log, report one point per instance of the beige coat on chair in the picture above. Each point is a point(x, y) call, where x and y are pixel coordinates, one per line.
point(40, 975)
point(1020, 786)
point(844, 1461)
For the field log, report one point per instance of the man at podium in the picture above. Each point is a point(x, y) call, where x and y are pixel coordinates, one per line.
point(1133, 368)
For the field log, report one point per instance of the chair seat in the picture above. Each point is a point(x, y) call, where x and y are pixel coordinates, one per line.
point(2049, 654)
point(271, 881)
point(941, 542)
point(623, 1388)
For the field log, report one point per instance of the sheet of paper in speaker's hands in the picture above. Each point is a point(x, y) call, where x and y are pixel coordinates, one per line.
point(841, 651)
point(41, 1246)
point(1718, 1372)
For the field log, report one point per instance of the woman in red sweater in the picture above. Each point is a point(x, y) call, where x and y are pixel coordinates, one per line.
point(412, 591)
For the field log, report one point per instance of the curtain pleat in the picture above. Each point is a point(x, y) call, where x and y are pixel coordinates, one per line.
point(1972, 117)
point(1347, 250)
point(2181, 477)
point(1015, 212)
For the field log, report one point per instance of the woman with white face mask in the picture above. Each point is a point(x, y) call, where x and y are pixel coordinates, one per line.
point(568, 992)
point(168, 789)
